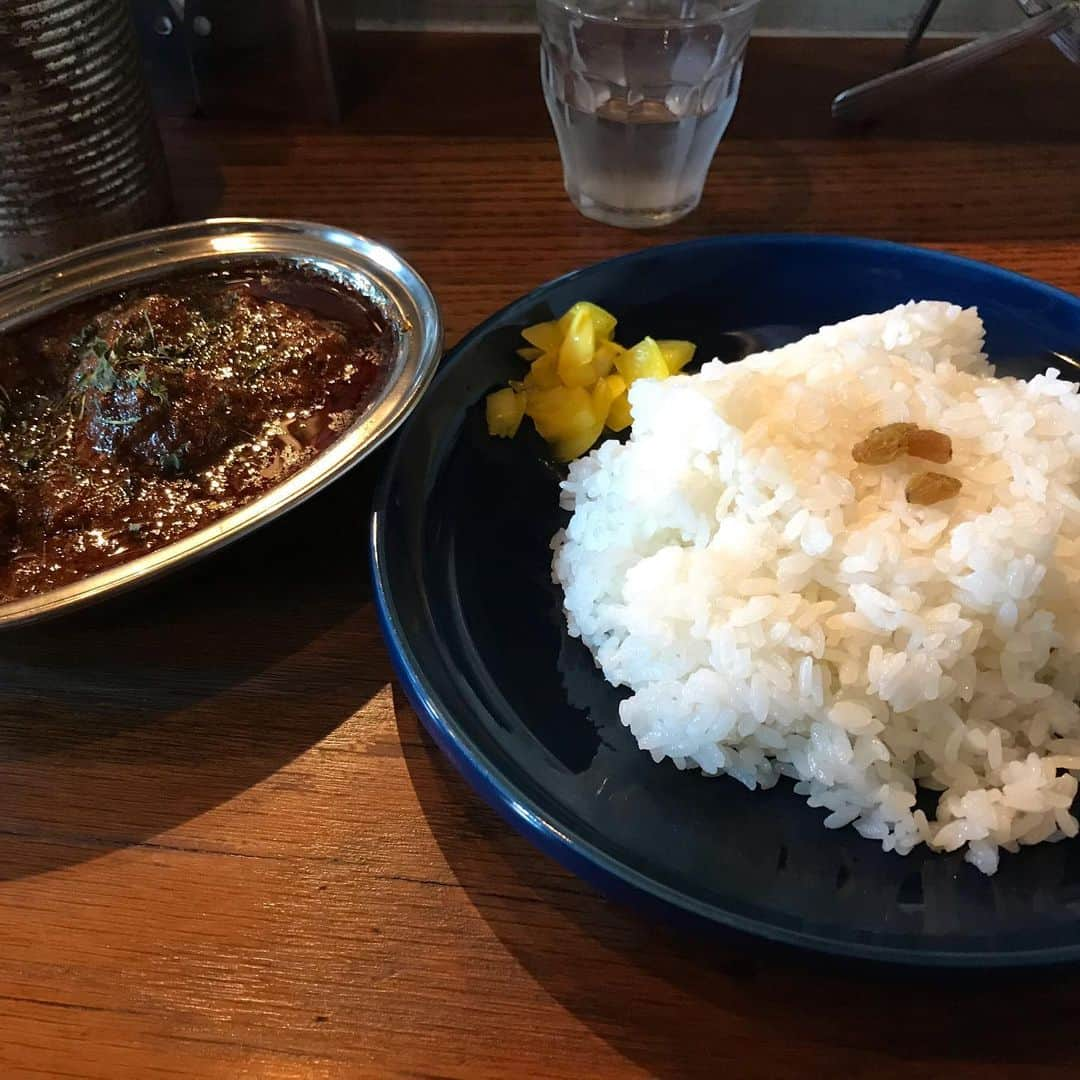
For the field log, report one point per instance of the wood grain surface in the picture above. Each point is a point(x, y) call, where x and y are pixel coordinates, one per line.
point(227, 849)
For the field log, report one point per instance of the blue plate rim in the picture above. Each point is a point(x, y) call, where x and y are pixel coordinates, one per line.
point(575, 853)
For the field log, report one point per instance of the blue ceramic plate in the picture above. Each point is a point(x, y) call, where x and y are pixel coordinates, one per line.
point(461, 561)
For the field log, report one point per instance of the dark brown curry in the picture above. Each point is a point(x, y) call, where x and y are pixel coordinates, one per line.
point(133, 420)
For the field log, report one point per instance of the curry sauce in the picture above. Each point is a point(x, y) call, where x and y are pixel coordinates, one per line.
point(133, 420)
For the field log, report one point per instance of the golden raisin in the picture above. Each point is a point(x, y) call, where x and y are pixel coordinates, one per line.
point(883, 444)
point(925, 489)
point(930, 446)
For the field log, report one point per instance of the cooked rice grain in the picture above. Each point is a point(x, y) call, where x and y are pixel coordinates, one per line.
point(778, 609)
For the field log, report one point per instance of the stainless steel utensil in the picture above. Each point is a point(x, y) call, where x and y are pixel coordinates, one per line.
point(1067, 40)
point(1060, 22)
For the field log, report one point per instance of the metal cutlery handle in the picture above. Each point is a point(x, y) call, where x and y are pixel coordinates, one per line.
point(897, 86)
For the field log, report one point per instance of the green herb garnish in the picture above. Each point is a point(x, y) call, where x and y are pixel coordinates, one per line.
point(103, 377)
point(155, 385)
point(118, 369)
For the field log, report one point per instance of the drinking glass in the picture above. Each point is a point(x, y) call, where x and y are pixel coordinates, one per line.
point(640, 92)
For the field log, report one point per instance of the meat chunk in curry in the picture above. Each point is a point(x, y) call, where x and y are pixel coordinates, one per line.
point(129, 422)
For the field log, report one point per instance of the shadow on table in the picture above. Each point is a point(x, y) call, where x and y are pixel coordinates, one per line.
point(123, 721)
point(669, 1002)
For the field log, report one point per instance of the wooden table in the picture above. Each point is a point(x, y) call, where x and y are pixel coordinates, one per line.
point(226, 846)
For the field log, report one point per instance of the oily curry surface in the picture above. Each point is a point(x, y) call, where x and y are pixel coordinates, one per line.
point(133, 420)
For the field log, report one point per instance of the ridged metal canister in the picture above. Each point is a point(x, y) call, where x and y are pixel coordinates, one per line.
point(80, 156)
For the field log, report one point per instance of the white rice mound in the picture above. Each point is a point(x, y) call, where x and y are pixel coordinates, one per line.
point(778, 610)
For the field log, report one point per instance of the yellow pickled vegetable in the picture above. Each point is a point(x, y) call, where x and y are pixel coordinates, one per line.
point(577, 349)
point(543, 373)
point(643, 361)
point(505, 409)
point(573, 446)
point(560, 412)
point(618, 408)
point(676, 354)
point(576, 421)
point(606, 355)
point(619, 418)
point(546, 336)
point(578, 380)
point(619, 415)
point(582, 428)
point(617, 385)
point(602, 397)
point(603, 322)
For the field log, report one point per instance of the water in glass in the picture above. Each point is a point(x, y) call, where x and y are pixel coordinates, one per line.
point(640, 94)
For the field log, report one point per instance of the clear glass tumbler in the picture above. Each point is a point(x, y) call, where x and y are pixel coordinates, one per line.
point(640, 92)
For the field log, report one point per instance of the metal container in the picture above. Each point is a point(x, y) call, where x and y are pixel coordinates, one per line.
point(80, 156)
point(350, 261)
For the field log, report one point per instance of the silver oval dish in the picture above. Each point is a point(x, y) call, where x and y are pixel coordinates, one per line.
point(351, 261)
